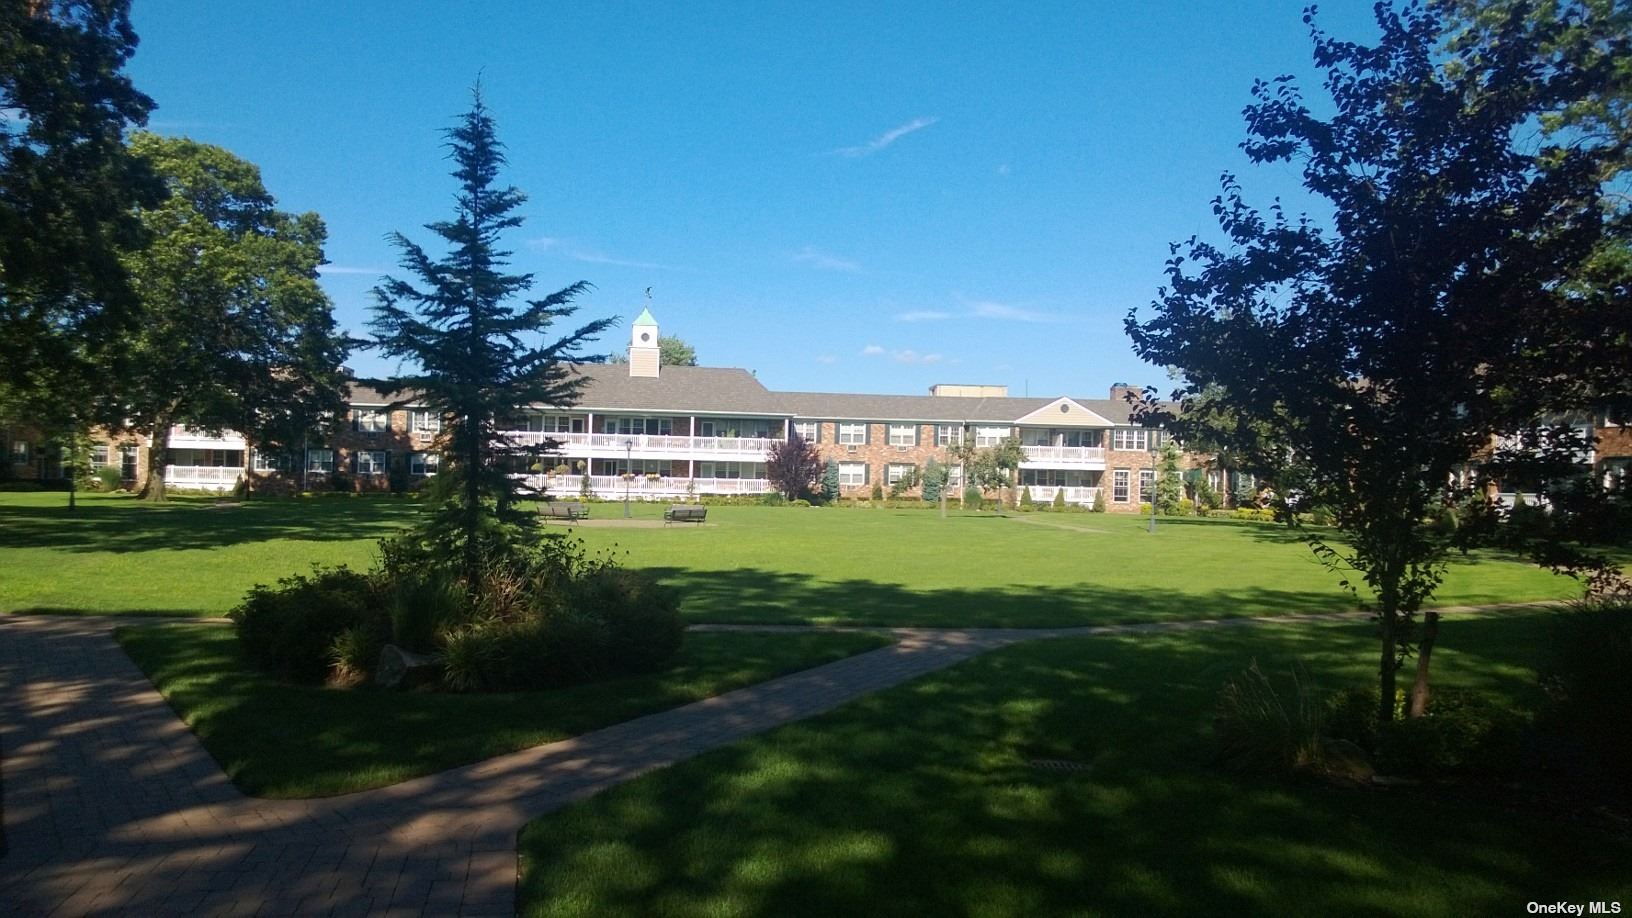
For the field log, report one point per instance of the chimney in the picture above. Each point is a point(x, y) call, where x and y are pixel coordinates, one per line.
point(1120, 391)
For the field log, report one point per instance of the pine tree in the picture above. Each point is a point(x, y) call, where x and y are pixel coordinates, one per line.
point(830, 481)
point(478, 351)
point(934, 480)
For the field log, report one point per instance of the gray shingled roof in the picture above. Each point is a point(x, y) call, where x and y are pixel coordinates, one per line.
point(724, 390)
point(829, 405)
point(728, 390)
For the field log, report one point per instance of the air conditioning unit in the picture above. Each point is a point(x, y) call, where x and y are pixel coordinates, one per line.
point(850, 448)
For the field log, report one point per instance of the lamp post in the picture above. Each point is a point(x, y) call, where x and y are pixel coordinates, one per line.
point(1155, 451)
point(628, 472)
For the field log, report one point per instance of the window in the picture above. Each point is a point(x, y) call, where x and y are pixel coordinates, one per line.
point(425, 421)
point(370, 462)
point(852, 473)
point(1119, 486)
point(320, 460)
point(806, 430)
point(852, 434)
point(948, 435)
point(19, 452)
point(370, 420)
point(657, 427)
point(1135, 439)
point(1147, 484)
point(990, 436)
point(903, 435)
point(262, 461)
point(896, 471)
point(954, 477)
point(424, 463)
point(99, 456)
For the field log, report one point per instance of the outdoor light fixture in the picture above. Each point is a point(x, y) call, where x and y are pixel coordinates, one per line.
point(628, 472)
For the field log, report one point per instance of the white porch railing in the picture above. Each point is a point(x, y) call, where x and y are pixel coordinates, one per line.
point(1067, 455)
point(605, 445)
point(612, 487)
point(202, 477)
point(1044, 494)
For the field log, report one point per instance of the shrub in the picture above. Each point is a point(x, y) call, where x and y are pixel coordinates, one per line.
point(21, 486)
point(773, 499)
point(1187, 507)
point(878, 491)
point(1059, 499)
point(341, 481)
point(1462, 733)
point(422, 606)
point(290, 630)
point(1262, 730)
point(108, 478)
point(1144, 509)
point(830, 481)
point(397, 478)
point(801, 502)
point(641, 617)
point(972, 498)
point(1099, 501)
point(1321, 516)
point(1026, 503)
point(354, 654)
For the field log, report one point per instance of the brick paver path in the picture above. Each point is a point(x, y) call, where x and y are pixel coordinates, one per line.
point(112, 806)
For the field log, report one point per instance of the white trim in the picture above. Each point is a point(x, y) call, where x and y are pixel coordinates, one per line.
point(1050, 415)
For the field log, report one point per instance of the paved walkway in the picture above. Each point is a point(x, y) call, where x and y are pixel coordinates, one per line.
point(112, 806)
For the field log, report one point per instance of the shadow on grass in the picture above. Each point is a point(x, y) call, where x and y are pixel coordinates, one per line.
point(760, 596)
point(125, 525)
point(921, 800)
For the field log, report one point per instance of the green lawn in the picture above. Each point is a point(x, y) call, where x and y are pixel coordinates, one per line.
point(921, 801)
point(280, 740)
point(749, 564)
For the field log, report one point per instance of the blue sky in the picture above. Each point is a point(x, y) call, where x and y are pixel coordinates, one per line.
point(851, 197)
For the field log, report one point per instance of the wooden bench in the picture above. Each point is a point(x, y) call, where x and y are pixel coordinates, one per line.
point(571, 511)
point(684, 513)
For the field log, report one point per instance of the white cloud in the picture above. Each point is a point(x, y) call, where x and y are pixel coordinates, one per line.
point(923, 315)
point(988, 309)
point(885, 139)
point(1004, 169)
point(576, 252)
point(593, 257)
point(910, 356)
point(346, 269)
point(812, 256)
point(872, 350)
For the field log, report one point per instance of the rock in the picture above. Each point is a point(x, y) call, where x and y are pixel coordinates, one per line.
point(400, 668)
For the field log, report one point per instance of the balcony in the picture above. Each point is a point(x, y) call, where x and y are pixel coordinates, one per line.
point(1064, 457)
point(613, 487)
point(1044, 494)
point(202, 477)
point(651, 446)
point(188, 438)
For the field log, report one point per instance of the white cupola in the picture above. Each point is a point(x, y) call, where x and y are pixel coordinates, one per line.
point(643, 352)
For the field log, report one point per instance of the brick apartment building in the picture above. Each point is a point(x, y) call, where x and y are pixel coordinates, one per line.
point(668, 432)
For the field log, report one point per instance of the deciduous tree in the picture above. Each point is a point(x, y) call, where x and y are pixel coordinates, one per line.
point(793, 467)
point(1443, 307)
point(235, 331)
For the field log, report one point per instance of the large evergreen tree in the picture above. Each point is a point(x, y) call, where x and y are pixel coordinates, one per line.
point(236, 332)
point(477, 350)
point(1449, 304)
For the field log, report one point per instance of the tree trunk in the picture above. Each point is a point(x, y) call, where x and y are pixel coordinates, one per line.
point(1420, 694)
point(1389, 665)
point(73, 471)
point(158, 456)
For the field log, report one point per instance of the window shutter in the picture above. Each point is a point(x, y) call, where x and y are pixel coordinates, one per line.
point(866, 433)
point(867, 473)
point(356, 420)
